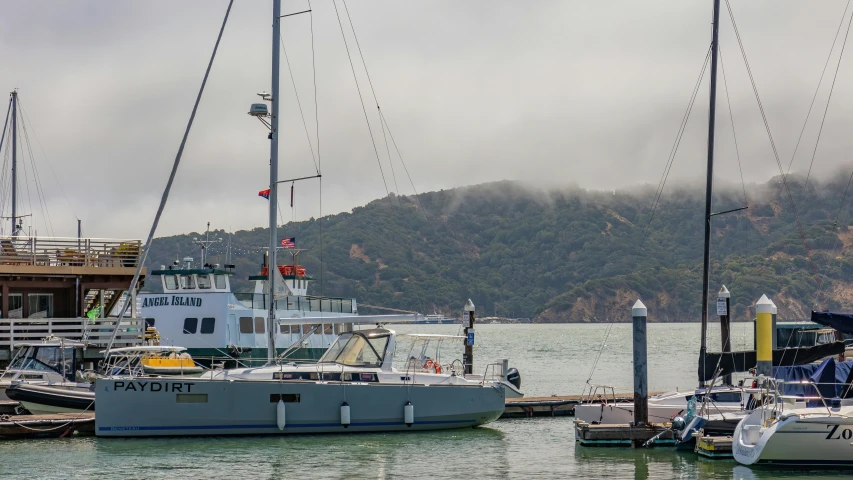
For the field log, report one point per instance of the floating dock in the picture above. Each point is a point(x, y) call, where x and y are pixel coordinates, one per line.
point(623, 435)
point(53, 425)
point(714, 447)
point(553, 406)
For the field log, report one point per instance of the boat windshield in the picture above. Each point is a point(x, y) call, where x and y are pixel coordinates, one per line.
point(356, 350)
point(42, 358)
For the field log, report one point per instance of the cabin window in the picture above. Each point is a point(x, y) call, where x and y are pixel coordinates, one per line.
point(307, 328)
point(289, 329)
point(41, 305)
point(220, 281)
point(191, 398)
point(284, 397)
point(171, 282)
point(246, 325)
point(207, 325)
point(259, 324)
point(339, 328)
point(327, 329)
point(187, 281)
point(149, 322)
point(204, 281)
point(190, 325)
point(16, 305)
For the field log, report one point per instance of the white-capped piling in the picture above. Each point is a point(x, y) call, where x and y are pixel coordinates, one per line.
point(764, 335)
point(641, 370)
point(723, 309)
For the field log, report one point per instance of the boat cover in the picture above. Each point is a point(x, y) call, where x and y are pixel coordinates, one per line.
point(843, 322)
point(742, 361)
point(832, 377)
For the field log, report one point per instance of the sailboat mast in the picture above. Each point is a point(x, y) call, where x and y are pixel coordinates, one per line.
point(709, 184)
point(272, 265)
point(14, 161)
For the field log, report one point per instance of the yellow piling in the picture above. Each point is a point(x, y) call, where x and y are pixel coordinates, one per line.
point(764, 335)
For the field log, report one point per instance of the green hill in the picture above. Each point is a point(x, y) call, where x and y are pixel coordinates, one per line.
point(567, 255)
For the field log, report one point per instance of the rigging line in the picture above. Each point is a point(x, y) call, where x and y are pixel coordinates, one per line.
point(299, 104)
point(316, 110)
point(46, 221)
point(734, 136)
point(361, 99)
point(674, 151)
point(819, 82)
point(49, 164)
point(397, 149)
point(174, 171)
point(388, 152)
point(6, 122)
point(776, 154)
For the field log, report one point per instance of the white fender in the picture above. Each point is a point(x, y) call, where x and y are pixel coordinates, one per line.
point(280, 415)
point(345, 419)
point(409, 414)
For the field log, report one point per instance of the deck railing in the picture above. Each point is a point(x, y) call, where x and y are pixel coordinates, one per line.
point(95, 333)
point(73, 252)
point(304, 303)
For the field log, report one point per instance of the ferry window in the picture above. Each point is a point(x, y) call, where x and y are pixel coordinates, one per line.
point(204, 281)
point(190, 325)
point(338, 328)
point(171, 282)
point(220, 281)
point(307, 328)
point(327, 330)
point(246, 325)
point(149, 322)
point(207, 325)
point(259, 324)
point(187, 281)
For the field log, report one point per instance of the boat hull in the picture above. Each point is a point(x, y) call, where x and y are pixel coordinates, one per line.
point(45, 399)
point(181, 407)
point(813, 440)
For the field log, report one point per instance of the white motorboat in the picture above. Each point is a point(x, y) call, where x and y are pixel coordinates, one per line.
point(812, 431)
point(52, 360)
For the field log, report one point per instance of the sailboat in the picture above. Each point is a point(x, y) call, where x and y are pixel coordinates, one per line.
point(353, 388)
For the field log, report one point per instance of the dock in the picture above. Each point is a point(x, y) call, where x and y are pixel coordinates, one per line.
point(52, 425)
point(623, 435)
point(553, 406)
point(714, 447)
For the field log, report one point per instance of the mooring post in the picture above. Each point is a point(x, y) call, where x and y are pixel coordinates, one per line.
point(468, 358)
point(764, 336)
point(641, 370)
point(723, 309)
point(775, 340)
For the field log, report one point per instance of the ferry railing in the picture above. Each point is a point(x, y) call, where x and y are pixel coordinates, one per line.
point(94, 332)
point(304, 303)
point(71, 252)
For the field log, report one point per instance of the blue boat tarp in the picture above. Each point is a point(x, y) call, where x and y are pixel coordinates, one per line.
point(832, 377)
point(843, 322)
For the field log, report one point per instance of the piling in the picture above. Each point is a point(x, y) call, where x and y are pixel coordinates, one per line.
point(641, 373)
point(468, 357)
point(723, 309)
point(764, 335)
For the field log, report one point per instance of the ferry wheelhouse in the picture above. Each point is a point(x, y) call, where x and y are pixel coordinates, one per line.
point(199, 310)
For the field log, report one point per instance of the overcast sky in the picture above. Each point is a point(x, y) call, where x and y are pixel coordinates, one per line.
point(549, 92)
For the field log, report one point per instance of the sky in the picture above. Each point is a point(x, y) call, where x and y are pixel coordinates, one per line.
point(550, 93)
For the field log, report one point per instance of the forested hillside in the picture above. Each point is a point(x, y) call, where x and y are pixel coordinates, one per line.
point(568, 255)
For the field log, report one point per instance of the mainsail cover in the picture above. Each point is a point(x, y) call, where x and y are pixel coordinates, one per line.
point(843, 322)
point(743, 361)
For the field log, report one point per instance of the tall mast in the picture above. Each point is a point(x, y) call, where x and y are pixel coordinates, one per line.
point(14, 160)
point(709, 179)
point(272, 328)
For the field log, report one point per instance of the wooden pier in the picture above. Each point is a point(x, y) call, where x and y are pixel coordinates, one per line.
point(623, 435)
point(714, 447)
point(53, 425)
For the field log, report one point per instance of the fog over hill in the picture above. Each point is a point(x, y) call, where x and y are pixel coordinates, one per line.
point(568, 255)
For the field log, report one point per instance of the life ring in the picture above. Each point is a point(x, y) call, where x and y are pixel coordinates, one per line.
point(432, 365)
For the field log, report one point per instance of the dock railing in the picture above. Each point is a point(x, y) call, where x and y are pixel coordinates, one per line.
point(95, 333)
point(72, 252)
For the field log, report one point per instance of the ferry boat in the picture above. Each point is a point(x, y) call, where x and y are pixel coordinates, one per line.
point(221, 327)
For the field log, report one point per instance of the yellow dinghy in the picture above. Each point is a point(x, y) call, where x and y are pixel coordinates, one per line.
point(172, 362)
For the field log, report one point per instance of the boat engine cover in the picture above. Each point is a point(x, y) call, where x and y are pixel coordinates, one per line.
point(513, 377)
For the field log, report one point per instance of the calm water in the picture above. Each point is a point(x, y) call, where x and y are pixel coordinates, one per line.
point(552, 360)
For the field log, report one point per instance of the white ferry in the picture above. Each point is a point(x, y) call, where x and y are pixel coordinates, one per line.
point(199, 311)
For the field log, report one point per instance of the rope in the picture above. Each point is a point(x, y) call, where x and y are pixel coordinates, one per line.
point(734, 135)
point(174, 171)
point(776, 154)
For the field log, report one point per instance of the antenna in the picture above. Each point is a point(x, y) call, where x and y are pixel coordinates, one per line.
point(204, 244)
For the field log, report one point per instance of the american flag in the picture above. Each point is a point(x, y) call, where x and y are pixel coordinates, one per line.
point(288, 242)
point(264, 193)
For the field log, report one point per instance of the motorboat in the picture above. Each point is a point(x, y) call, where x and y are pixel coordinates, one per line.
point(126, 362)
point(52, 360)
point(353, 388)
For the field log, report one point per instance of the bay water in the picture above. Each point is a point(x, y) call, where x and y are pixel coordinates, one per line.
point(552, 359)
